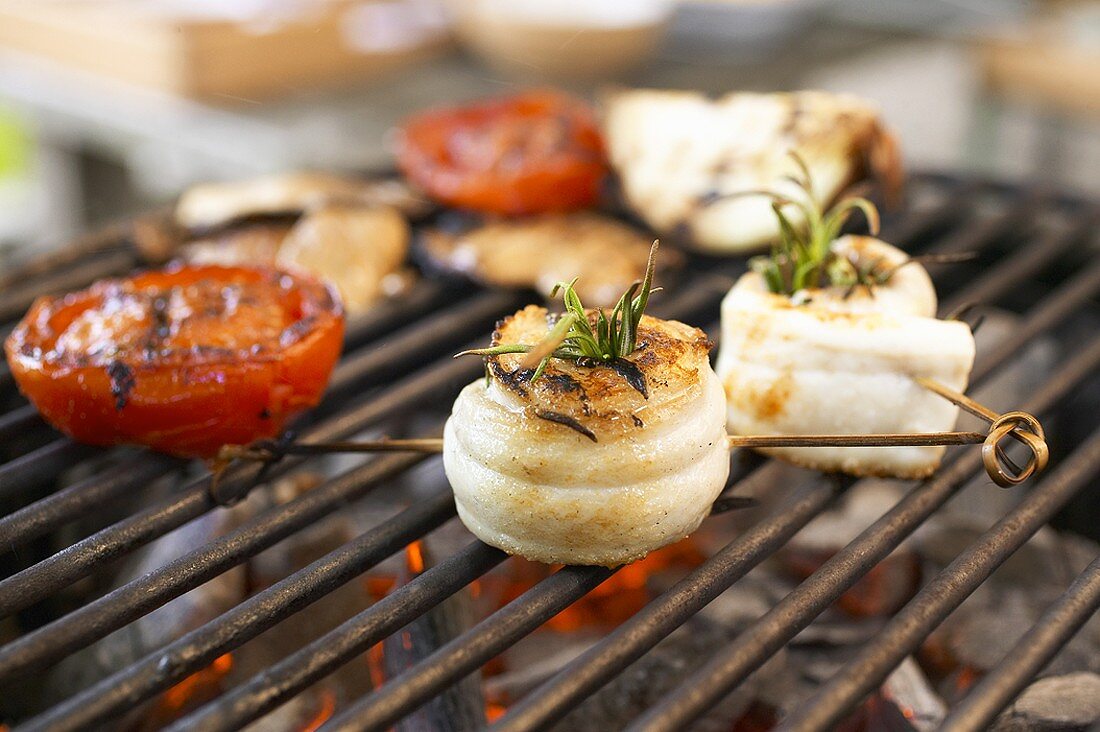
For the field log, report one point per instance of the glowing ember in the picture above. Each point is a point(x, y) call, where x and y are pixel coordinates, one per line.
point(614, 601)
point(607, 606)
point(414, 557)
point(375, 663)
point(881, 592)
point(198, 688)
point(493, 712)
point(327, 707)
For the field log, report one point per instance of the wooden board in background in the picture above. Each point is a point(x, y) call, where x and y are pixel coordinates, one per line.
point(199, 58)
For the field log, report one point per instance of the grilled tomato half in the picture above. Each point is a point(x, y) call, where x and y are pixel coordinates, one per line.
point(182, 360)
point(536, 152)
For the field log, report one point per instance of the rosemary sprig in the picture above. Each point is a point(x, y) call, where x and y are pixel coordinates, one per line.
point(573, 336)
point(803, 257)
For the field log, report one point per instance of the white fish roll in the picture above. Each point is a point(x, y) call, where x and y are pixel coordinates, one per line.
point(842, 363)
point(581, 466)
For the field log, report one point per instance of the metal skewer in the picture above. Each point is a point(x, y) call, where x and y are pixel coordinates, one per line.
point(1021, 426)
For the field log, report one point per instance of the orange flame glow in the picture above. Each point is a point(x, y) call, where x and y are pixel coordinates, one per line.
point(614, 601)
point(375, 659)
point(493, 712)
point(414, 557)
point(199, 686)
point(328, 706)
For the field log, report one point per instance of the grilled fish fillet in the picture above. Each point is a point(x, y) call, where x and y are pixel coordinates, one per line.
point(581, 466)
point(683, 159)
point(212, 205)
point(360, 250)
point(842, 364)
point(604, 254)
point(254, 245)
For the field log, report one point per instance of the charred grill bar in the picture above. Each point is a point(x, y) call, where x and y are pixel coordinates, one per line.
point(398, 359)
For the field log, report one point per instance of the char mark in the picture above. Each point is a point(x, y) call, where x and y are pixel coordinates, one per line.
point(567, 421)
point(122, 382)
point(563, 383)
point(632, 374)
point(161, 328)
point(511, 380)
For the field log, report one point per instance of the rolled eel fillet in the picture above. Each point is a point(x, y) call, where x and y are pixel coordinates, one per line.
point(842, 363)
point(589, 464)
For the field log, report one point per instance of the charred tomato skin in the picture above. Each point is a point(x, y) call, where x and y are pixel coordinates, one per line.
point(536, 152)
point(110, 365)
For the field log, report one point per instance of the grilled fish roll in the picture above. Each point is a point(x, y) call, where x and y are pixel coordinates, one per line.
point(840, 361)
point(685, 162)
point(590, 465)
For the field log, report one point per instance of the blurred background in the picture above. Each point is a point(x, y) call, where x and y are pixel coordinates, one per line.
point(108, 107)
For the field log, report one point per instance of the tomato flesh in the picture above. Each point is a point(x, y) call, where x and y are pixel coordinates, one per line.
point(538, 152)
point(182, 360)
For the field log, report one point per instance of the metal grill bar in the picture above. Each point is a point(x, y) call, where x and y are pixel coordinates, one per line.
point(1010, 224)
point(297, 671)
point(386, 358)
point(329, 638)
point(40, 465)
point(465, 655)
point(15, 302)
point(608, 658)
point(422, 298)
point(1028, 657)
point(950, 226)
point(108, 238)
point(423, 342)
point(50, 575)
point(521, 617)
point(948, 213)
point(192, 501)
point(19, 421)
point(946, 591)
point(131, 601)
point(696, 297)
point(162, 669)
point(1046, 316)
point(72, 502)
point(1021, 264)
point(72, 632)
point(795, 611)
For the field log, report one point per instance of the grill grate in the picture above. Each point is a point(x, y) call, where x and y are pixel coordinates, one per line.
point(397, 362)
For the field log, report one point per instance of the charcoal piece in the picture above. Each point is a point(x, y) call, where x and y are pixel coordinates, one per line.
point(658, 672)
point(461, 706)
point(1056, 704)
point(158, 628)
point(908, 690)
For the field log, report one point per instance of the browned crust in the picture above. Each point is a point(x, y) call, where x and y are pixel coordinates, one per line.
point(603, 399)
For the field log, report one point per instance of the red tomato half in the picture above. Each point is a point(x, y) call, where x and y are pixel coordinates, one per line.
point(532, 153)
point(182, 360)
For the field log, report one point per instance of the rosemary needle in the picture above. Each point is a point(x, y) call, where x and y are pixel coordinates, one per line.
point(574, 337)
